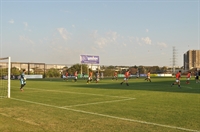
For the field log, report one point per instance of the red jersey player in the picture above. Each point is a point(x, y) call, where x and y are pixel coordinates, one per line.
point(178, 76)
point(188, 77)
point(127, 74)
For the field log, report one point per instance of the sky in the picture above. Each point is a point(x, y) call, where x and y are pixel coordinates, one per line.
point(120, 32)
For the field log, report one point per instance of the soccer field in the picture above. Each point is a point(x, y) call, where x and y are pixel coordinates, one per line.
point(66, 106)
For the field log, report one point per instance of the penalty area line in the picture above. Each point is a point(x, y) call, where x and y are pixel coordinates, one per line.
point(99, 102)
point(109, 116)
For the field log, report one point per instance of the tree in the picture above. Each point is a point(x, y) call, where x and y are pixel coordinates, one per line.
point(4, 71)
point(77, 67)
point(155, 69)
point(15, 71)
point(64, 69)
point(108, 72)
point(142, 69)
point(111, 67)
point(164, 69)
point(133, 70)
point(53, 73)
point(135, 67)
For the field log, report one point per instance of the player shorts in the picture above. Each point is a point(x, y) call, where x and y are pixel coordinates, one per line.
point(125, 79)
point(197, 77)
point(177, 80)
point(22, 81)
point(188, 78)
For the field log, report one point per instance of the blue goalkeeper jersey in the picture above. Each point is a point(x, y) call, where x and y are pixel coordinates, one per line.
point(22, 76)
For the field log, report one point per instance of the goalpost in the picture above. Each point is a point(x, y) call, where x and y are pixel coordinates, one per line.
point(5, 70)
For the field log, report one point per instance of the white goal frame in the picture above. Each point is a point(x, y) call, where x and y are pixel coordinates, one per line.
point(9, 71)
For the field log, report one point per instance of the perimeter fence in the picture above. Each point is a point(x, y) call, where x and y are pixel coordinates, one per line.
point(107, 71)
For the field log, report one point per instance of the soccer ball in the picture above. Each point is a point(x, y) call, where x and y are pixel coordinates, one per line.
point(24, 78)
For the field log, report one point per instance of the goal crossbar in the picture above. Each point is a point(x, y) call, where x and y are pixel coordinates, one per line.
point(4, 58)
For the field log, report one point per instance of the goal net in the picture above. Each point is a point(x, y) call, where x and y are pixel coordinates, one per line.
point(5, 68)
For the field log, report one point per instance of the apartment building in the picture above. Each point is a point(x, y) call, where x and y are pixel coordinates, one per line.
point(191, 59)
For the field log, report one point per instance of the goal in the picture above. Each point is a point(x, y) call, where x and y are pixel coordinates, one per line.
point(5, 69)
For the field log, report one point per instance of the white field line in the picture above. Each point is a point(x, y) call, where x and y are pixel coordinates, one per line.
point(186, 87)
point(18, 119)
point(108, 116)
point(3, 97)
point(80, 93)
point(97, 103)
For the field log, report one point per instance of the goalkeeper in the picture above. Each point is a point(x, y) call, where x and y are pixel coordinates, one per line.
point(22, 80)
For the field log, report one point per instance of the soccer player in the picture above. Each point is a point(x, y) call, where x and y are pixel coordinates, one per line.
point(83, 76)
point(178, 76)
point(97, 76)
point(90, 77)
point(188, 77)
point(115, 75)
point(66, 75)
point(101, 75)
point(148, 76)
point(197, 76)
point(127, 74)
point(75, 76)
point(137, 74)
point(22, 80)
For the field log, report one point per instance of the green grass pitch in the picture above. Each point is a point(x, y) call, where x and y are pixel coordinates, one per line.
point(57, 105)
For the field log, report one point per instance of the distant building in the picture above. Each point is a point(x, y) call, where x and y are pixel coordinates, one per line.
point(191, 59)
